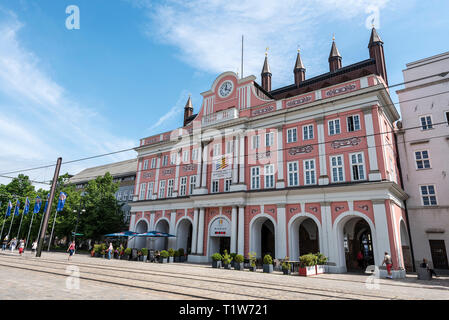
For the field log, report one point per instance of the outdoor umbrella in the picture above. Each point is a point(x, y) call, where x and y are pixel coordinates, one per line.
point(122, 234)
point(155, 234)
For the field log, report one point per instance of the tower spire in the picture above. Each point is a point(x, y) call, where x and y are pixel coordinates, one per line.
point(376, 52)
point(266, 73)
point(299, 71)
point(334, 57)
point(188, 110)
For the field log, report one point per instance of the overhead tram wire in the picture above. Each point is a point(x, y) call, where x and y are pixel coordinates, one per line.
point(441, 74)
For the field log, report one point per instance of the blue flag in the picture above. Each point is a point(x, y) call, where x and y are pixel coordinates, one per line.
point(8, 209)
point(16, 210)
point(27, 206)
point(61, 202)
point(37, 205)
point(46, 203)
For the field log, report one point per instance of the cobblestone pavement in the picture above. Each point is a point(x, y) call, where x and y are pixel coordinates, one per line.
point(49, 277)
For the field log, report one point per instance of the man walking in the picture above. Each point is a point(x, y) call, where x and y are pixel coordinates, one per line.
point(389, 264)
point(5, 243)
point(13, 244)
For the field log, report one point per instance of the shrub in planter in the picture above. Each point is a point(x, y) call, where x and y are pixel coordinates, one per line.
point(216, 260)
point(97, 249)
point(176, 255)
point(171, 254)
point(144, 254)
point(252, 261)
point(233, 259)
point(267, 264)
point(164, 255)
point(238, 262)
point(321, 262)
point(286, 266)
point(127, 253)
point(182, 256)
point(226, 260)
point(307, 265)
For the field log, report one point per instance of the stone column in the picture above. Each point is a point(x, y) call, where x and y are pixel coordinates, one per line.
point(235, 161)
point(241, 231)
point(328, 245)
point(156, 179)
point(195, 230)
point(234, 229)
point(281, 233)
point(199, 248)
point(204, 170)
point(323, 179)
point(172, 228)
point(280, 184)
point(178, 164)
point(374, 173)
point(382, 243)
point(199, 166)
point(132, 227)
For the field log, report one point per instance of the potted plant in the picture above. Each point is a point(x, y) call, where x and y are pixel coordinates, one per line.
point(176, 255)
point(182, 256)
point(286, 266)
point(144, 254)
point(233, 255)
point(164, 255)
point(321, 261)
point(127, 253)
point(216, 260)
point(238, 262)
point(307, 265)
point(226, 260)
point(252, 261)
point(267, 264)
point(171, 253)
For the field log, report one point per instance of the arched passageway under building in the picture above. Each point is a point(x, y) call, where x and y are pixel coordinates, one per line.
point(184, 235)
point(160, 243)
point(141, 242)
point(263, 237)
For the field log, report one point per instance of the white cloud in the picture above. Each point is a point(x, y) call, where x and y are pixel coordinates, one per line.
point(208, 33)
point(40, 121)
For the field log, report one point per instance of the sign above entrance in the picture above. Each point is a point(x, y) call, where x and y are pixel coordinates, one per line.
point(220, 228)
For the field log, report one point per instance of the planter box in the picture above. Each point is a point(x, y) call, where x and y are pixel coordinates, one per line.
point(227, 266)
point(320, 269)
point(164, 260)
point(170, 259)
point(144, 259)
point(286, 271)
point(252, 269)
point(182, 258)
point(238, 266)
point(267, 268)
point(216, 264)
point(307, 271)
point(177, 259)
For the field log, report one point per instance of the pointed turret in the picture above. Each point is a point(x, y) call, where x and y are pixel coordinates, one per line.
point(188, 110)
point(266, 74)
point(334, 57)
point(299, 71)
point(376, 52)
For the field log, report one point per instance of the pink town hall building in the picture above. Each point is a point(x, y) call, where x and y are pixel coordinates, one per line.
point(310, 167)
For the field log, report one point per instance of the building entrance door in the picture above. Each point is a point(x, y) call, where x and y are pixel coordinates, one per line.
point(225, 244)
point(438, 252)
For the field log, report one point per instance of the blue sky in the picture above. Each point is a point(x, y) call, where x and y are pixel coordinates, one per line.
point(127, 72)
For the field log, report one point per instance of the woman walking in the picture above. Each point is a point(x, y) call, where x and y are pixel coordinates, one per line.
point(13, 244)
point(110, 250)
point(21, 246)
point(71, 249)
point(34, 246)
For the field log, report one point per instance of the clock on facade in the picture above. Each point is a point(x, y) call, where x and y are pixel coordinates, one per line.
point(225, 89)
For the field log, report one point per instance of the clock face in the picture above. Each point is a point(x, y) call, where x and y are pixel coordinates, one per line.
point(225, 89)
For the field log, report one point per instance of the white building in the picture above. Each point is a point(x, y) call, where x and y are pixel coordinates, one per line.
point(423, 143)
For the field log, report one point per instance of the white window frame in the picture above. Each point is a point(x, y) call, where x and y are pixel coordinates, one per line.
point(125, 195)
point(229, 146)
point(269, 176)
point(307, 134)
point(192, 183)
point(293, 171)
point(292, 137)
point(150, 190)
point(130, 196)
point(170, 185)
point(153, 163)
point(161, 189)
point(269, 139)
point(334, 125)
point(255, 141)
point(185, 156)
point(165, 160)
point(215, 185)
point(183, 186)
point(143, 187)
point(145, 164)
point(337, 166)
point(358, 164)
point(428, 195)
point(422, 159)
point(195, 154)
point(427, 125)
point(353, 122)
point(227, 185)
point(255, 178)
point(119, 196)
point(217, 149)
point(173, 158)
point(309, 171)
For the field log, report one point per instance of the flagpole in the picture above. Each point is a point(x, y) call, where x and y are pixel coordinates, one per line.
point(40, 227)
point(13, 214)
point(51, 236)
point(4, 220)
point(20, 225)
point(29, 230)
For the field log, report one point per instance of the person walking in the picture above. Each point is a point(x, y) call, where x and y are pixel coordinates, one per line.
point(389, 264)
point(34, 246)
point(71, 249)
point(360, 260)
point(110, 250)
point(21, 246)
point(12, 244)
point(425, 264)
point(5, 243)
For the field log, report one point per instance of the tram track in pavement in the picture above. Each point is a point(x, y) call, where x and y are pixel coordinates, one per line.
point(272, 289)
